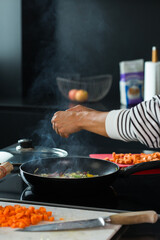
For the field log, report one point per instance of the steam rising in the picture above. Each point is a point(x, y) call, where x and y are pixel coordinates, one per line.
point(68, 37)
point(45, 136)
point(44, 133)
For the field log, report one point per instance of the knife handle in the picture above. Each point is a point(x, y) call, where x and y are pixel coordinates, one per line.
point(134, 217)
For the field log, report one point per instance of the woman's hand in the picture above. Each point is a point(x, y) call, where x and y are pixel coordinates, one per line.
point(66, 122)
point(77, 118)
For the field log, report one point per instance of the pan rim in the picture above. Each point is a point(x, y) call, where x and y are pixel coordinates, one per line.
point(117, 168)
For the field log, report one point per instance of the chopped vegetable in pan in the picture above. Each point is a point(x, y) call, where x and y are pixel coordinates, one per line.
point(77, 174)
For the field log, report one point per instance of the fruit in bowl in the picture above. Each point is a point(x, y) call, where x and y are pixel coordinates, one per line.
point(81, 95)
point(90, 89)
point(72, 94)
point(78, 95)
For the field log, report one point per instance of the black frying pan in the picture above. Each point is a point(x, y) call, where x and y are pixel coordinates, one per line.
point(107, 172)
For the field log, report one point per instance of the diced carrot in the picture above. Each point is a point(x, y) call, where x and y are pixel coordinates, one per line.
point(6, 211)
point(13, 225)
point(5, 224)
point(51, 219)
point(34, 219)
point(49, 214)
point(129, 158)
point(20, 216)
point(45, 217)
point(31, 208)
point(27, 212)
point(21, 225)
point(17, 206)
point(42, 209)
point(18, 210)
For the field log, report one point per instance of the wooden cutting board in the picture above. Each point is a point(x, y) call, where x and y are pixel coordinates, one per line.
point(68, 214)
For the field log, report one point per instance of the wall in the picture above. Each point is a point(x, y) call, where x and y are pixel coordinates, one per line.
point(87, 37)
point(10, 49)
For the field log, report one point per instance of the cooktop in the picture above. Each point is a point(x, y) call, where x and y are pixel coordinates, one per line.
point(133, 193)
point(13, 187)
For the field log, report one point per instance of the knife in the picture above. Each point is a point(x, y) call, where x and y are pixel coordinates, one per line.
point(126, 218)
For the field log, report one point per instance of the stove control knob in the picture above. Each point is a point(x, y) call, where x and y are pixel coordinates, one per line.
point(25, 143)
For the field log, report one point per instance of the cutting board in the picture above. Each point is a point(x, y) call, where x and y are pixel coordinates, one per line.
point(68, 214)
point(145, 172)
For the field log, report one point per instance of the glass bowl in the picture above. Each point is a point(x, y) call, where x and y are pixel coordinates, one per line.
point(97, 87)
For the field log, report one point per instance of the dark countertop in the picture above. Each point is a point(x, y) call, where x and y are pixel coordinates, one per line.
point(134, 193)
point(57, 104)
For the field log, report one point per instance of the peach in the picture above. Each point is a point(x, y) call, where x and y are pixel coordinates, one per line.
point(81, 95)
point(72, 94)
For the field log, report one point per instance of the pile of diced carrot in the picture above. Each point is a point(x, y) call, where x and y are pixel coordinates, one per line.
point(18, 216)
point(129, 158)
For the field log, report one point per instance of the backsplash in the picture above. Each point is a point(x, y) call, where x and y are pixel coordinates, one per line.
point(87, 37)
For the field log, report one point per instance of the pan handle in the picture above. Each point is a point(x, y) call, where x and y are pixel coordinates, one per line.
point(139, 167)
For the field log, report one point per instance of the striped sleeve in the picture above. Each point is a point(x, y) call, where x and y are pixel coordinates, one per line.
point(140, 123)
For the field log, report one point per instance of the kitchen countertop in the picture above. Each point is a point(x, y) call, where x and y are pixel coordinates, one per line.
point(139, 232)
point(69, 214)
point(134, 193)
point(104, 105)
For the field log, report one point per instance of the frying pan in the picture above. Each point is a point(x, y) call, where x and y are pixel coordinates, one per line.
point(107, 172)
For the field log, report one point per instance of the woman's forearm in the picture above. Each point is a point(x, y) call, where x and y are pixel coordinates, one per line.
point(140, 123)
point(68, 122)
point(93, 121)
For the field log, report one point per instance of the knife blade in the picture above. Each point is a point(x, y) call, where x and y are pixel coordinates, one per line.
point(126, 218)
